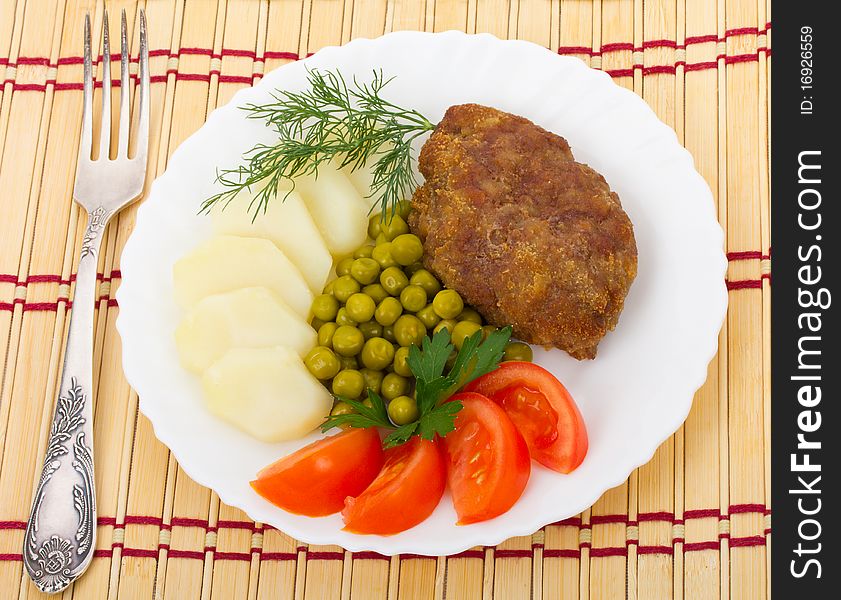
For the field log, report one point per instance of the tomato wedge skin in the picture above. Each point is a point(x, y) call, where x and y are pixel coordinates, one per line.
point(530, 394)
point(315, 480)
point(406, 491)
point(488, 460)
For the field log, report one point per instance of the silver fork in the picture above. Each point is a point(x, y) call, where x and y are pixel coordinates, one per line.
point(61, 531)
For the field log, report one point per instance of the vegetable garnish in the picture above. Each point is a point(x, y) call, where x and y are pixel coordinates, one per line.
point(329, 120)
point(436, 416)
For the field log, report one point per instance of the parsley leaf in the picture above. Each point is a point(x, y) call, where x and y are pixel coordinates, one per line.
point(436, 416)
point(400, 435)
point(440, 420)
point(428, 361)
point(477, 358)
point(375, 415)
point(474, 359)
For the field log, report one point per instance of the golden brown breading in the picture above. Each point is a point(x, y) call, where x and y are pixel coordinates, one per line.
point(523, 232)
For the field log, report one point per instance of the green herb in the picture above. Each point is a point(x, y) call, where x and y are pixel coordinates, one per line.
point(330, 120)
point(432, 387)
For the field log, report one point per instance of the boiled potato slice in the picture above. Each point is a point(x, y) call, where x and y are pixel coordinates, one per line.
point(266, 392)
point(247, 318)
point(361, 179)
point(226, 262)
point(288, 224)
point(337, 209)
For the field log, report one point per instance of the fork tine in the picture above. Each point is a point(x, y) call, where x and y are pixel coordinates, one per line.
point(125, 91)
point(87, 113)
point(105, 125)
point(143, 128)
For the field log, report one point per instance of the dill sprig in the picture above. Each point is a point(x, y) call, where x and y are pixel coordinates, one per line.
point(328, 120)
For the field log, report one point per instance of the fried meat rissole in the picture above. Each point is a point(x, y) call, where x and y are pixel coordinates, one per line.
point(524, 233)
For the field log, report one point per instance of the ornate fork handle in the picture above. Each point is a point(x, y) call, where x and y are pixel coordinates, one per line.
point(60, 535)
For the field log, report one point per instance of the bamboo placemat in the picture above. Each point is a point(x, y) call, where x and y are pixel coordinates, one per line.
point(694, 522)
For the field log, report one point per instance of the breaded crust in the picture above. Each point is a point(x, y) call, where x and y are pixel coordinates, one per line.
point(524, 233)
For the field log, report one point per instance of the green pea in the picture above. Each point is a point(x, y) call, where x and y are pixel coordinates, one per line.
point(394, 280)
point(343, 266)
point(404, 207)
point(328, 289)
point(360, 308)
point(462, 331)
point(408, 330)
point(382, 254)
point(388, 333)
point(388, 311)
point(427, 281)
point(376, 291)
point(486, 331)
point(344, 287)
point(348, 341)
point(428, 317)
point(325, 307)
point(447, 324)
point(400, 364)
point(348, 362)
point(363, 251)
point(371, 329)
point(393, 226)
point(373, 379)
point(365, 270)
point(374, 226)
point(316, 323)
point(406, 249)
point(325, 334)
point(393, 385)
point(447, 304)
point(469, 314)
point(413, 298)
point(342, 408)
point(348, 383)
point(342, 318)
point(518, 351)
point(322, 363)
point(377, 353)
point(413, 268)
point(380, 239)
point(403, 410)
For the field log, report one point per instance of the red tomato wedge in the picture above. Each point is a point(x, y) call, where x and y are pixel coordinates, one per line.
point(405, 492)
point(315, 480)
point(542, 410)
point(489, 463)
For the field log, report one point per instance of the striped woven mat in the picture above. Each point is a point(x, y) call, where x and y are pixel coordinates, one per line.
point(694, 522)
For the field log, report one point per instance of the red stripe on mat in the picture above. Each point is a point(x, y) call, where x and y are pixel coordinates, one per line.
point(274, 54)
point(513, 553)
point(744, 284)
point(736, 542)
point(245, 79)
point(605, 519)
point(662, 43)
point(561, 553)
point(279, 556)
point(703, 513)
point(749, 508)
point(286, 55)
point(325, 555)
point(605, 552)
point(49, 278)
point(241, 556)
point(367, 555)
point(465, 554)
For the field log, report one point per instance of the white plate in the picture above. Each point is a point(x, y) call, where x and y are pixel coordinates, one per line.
point(633, 396)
